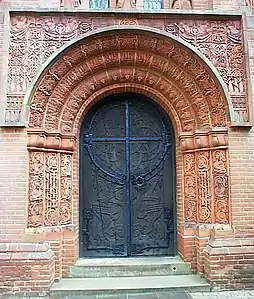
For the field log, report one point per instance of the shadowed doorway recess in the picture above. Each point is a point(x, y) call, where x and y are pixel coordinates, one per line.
point(127, 179)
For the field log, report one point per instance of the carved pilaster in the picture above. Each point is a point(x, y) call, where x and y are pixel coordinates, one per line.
point(36, 189)
point(204, 186)
point(206, 190)
point(65, 212)
point(50, 179)
point(190, 200)
point(220, 185)
point(51, 189)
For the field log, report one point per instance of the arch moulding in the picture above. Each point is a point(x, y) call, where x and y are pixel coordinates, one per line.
point(181, 81)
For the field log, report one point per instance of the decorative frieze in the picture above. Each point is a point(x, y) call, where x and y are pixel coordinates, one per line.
point(34, 39)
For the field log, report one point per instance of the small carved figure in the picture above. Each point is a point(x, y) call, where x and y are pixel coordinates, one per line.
point(70, 3)
point(126, 4)
point(250, 4)
point(182, 4)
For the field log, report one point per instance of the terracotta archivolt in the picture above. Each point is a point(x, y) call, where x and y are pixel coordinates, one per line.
point(128, 87)
point(165, 93)
point(126, 58)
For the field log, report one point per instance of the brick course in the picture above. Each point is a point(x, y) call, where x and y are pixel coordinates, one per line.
point(26, 267)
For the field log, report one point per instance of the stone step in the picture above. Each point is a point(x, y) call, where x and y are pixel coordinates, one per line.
point(118, 267)
point(78, 287)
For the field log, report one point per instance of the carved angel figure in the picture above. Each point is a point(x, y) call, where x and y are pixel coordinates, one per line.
point(126, 4)
point(250, 4)
point(182, 4)
point(70, 3)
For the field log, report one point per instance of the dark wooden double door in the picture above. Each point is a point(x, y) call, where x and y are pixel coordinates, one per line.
point(127, 179)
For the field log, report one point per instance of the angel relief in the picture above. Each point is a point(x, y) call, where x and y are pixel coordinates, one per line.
point(126, 4)
point(181, 4)
point(250, 4)
point(70, 3)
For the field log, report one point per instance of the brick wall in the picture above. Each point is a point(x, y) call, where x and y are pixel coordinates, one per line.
point(229, 263)
point(13, 194)
point(241, 154)
point(26, 267)
point(13, 183)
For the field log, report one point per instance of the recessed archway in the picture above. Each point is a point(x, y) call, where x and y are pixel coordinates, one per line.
point(146, 63)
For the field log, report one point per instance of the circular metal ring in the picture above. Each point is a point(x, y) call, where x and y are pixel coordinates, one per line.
point(140, 181)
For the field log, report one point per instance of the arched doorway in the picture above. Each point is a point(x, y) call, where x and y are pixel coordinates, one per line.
point(127, 179)
point(169, 72)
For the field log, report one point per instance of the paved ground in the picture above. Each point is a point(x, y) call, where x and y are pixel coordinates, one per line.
point(244, 294)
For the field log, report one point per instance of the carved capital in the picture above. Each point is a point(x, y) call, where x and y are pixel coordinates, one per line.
point(203, 140)
point(50, 140)
point(218, 138)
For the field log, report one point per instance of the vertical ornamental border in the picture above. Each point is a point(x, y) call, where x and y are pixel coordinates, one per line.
point(50, 180)
point(206, 189)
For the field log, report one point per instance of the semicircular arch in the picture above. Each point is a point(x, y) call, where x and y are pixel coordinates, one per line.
point(161, 60)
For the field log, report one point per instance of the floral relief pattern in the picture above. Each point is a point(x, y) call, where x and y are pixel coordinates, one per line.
point(221, 189)
point(65, 212)
point(190, 200)
point(221, 42)
point(204, 187)
point(36, 189)
point(50, 189)
point(34, 39)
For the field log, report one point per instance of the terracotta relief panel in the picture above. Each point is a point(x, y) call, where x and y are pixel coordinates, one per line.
point(222, 43)
point(50, 189)
point(66, 189)
point(34, 39)
point(92, 65)
point(190, 194)
point(220, 185)
point(206, 184)
point(36, 189)
point(204, 187)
